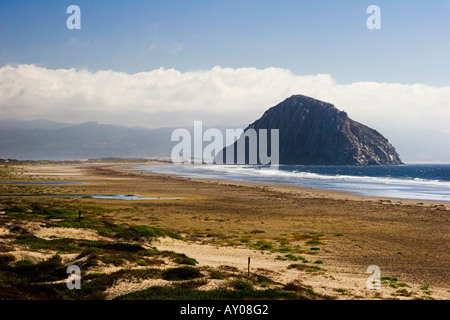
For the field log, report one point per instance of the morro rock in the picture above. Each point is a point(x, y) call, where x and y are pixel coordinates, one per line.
point(313, 132)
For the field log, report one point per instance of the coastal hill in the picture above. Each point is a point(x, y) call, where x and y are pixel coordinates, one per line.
point(48, 140)
point(313, 132)
point(44, 139)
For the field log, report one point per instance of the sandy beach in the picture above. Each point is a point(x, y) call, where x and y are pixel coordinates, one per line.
point(338, 233)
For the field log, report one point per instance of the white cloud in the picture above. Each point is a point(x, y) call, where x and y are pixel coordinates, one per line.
point(167, 97)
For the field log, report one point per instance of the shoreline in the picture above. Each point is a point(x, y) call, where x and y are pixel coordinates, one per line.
point(292, 187)
point(223, 221)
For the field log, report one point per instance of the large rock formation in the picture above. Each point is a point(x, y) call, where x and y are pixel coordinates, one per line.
point(315, 132)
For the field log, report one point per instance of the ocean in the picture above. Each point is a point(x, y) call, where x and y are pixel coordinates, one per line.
point(412, 181)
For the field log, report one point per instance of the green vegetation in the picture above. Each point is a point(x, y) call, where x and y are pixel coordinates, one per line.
point(304, 267)
point(262, 281)
point(343, 291)
point(166, 293)
point(393, 282)
point(291, 257)
point(124, 232)
point(404, 293)
point(239, 284)
point(244, 239)
point(182, 273)
point(94, 285)
point(426, 289)
point(179, 258)
point(69, 217)
point(191, 284)
point(60, 245)
point(313, 242)
point(257, 231)
point(392, 279)
point(49, 270)
point(114, 260)
point(136, 233)
point(20, 280)
point(25, 279)
point(142, 263)
point(285, 247)
point(296, 287)
point(262, 245)
point(218, 274)
point(68, 245)
point(183, 259)
point(123, 246)
point(107, 252)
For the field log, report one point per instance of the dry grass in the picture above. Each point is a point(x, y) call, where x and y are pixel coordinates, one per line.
point(351, 234)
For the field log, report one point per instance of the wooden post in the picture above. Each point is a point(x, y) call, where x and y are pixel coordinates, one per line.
point(248, 266)
point(79, 215)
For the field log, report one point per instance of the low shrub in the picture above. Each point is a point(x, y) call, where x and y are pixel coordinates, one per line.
point(182, 273)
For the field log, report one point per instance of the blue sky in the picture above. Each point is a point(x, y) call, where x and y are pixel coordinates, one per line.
point(306, 37)
point(224, 62)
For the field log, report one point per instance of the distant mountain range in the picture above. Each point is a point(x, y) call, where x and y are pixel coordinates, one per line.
point(49, 140)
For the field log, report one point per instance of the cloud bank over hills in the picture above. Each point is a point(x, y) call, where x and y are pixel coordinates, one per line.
point(217, 96)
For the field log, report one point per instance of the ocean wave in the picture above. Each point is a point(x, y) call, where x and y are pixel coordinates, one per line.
point(302, 175)
point(401, 187)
